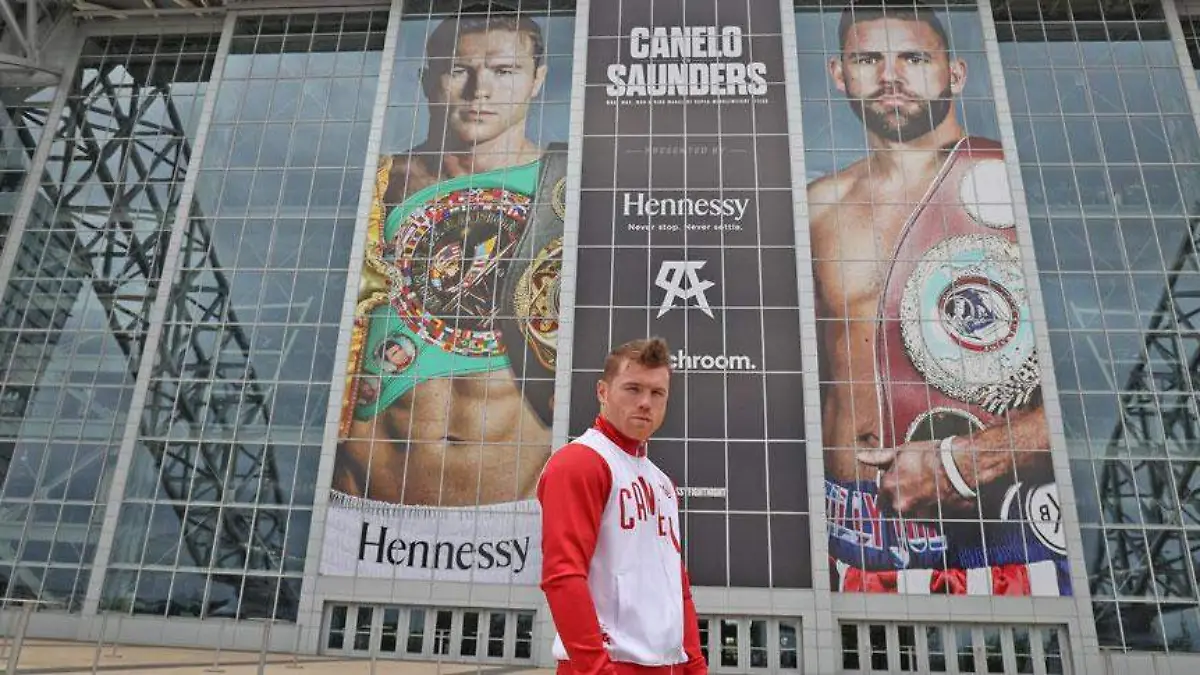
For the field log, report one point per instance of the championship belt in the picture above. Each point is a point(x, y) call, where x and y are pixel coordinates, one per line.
point(528, 317)
point(954, 347)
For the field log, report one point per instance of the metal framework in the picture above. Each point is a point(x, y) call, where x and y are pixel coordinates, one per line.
point(108, 195)
point(1136, 491)
point(24, 26)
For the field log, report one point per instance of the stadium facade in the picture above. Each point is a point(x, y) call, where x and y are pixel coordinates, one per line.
point(298, 296)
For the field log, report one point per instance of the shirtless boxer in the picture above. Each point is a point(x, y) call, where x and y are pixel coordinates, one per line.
point(452, 427)
point(929, 373)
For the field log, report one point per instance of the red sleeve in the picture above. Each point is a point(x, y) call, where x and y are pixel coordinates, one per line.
point(696, 665)
point(573, 490)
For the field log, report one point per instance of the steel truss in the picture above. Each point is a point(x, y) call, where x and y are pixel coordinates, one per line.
point(24, 25)
point(111, 188)
point(1158, 416)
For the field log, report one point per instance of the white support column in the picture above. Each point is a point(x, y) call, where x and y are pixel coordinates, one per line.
point(819, 632)
point(308, 618)
point(170, 268)
point(1084, 646)
point(1186, 69)
point(543, 629)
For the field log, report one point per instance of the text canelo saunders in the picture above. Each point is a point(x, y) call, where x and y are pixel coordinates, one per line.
point(467, 555)
point(700, 70)
point(637, 203)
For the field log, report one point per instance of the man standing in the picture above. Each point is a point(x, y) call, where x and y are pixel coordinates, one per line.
point(931, 393)
point(612, 566)
point(463, 260)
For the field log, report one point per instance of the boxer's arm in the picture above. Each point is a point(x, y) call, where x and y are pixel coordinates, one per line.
point(573, 490)
point(913, 478)
point(1022, 444)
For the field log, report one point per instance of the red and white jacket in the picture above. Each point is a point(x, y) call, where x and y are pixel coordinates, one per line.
point(612, 564)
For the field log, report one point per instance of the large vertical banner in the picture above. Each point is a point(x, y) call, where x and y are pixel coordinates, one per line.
point(446, 422)
point(687, 232)
point(938, 473)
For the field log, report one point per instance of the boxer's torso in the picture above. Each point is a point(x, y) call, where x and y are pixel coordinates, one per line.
point(465, 436)
point(858, 217)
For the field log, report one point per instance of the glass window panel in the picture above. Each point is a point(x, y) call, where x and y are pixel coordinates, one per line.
point(362, 628)
point(1162, 186)
point(389, 630)
point(1083, 139)
point(729, 643)
point(337, 627)
point(153, 592)
point(274, 149)
point(1052, 651)
point(187, 595)
point(223, 593)
point(1095, 195)
point(416, 631)
point(993, 650)
point(1022, 650)
point(59, 586)
point(1106, 94)
point(496, 623)
point(335, 142)
point(1038, 87)
point(343, 99)
point(758, 644)
point(1051, 140)
point(1116, 136)
point(1141, 626)
point(1181, 622)
point(907, 637)
point(877, 636)
point(470, 634)
point(524, 646)
point(965, 643)
point(1138, 90)
point(258, 597)
point(162, 539)
point(936, 649)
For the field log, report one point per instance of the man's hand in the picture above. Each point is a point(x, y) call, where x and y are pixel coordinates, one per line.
point(913, 481)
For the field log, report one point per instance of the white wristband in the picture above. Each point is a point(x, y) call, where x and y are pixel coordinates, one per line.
point(952, 472)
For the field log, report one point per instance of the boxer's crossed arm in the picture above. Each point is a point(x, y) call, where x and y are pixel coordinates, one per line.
point(913, 477)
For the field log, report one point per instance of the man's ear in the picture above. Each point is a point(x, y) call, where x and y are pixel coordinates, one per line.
point(539, 79)
point(958, 76)
point(837, 73)
point(602, 393)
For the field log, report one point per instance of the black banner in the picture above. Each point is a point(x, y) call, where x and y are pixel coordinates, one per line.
point(686, 232)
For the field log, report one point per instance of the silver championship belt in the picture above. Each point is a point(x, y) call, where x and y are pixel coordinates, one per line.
point(954, 349)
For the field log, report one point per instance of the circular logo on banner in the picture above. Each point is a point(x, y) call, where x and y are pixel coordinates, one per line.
point(984, 194)
point(965, 322)
point(450, 258)
point(1044, 513)
point(395, 354)
point(978, 314)
point(536, 301)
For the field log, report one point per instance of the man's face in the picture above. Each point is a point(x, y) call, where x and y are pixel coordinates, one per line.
point(898, 77)
point(485, 89)
point(396, 355)
point(635, 401)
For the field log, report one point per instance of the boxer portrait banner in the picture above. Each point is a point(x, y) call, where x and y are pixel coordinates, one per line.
point(937, 464)
point(687, 232)
point(446, 422)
